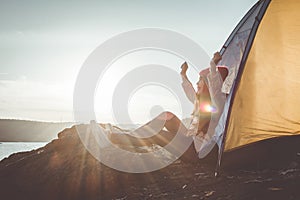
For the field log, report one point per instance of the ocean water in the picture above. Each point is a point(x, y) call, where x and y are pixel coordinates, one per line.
point(8, 148)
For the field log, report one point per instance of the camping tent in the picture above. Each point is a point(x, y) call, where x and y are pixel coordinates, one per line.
point(263, 54)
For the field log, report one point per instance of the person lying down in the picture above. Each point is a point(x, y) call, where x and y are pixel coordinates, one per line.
point(208, 103)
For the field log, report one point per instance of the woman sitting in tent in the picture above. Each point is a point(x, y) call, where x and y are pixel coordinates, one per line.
point(208, 105)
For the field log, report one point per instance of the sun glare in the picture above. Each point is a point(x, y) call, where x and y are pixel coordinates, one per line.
point(142, 102)
point(207, 107)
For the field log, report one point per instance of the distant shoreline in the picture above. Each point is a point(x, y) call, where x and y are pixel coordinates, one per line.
point(12, 130)
point(36, 120)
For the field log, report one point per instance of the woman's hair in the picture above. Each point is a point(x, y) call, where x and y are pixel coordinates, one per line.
point(204, 98)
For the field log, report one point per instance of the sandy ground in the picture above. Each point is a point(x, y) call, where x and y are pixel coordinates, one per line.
point(63, 169)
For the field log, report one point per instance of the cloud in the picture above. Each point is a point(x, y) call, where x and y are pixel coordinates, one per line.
point(10, 76)
point(36, 96)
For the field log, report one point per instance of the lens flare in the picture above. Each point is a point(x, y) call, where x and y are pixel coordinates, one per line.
point(206, 107)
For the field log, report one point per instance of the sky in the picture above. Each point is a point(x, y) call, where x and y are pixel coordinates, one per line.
point(43, 45)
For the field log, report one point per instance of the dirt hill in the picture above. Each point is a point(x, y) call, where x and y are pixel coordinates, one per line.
point(63, 169)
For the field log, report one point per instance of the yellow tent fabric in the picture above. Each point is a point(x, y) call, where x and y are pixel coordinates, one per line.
point(267, 100)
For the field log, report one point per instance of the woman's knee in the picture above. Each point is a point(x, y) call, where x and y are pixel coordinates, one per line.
point(167, 115)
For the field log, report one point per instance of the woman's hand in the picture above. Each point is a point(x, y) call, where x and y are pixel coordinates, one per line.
point(217, 57)
point(184, 68)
